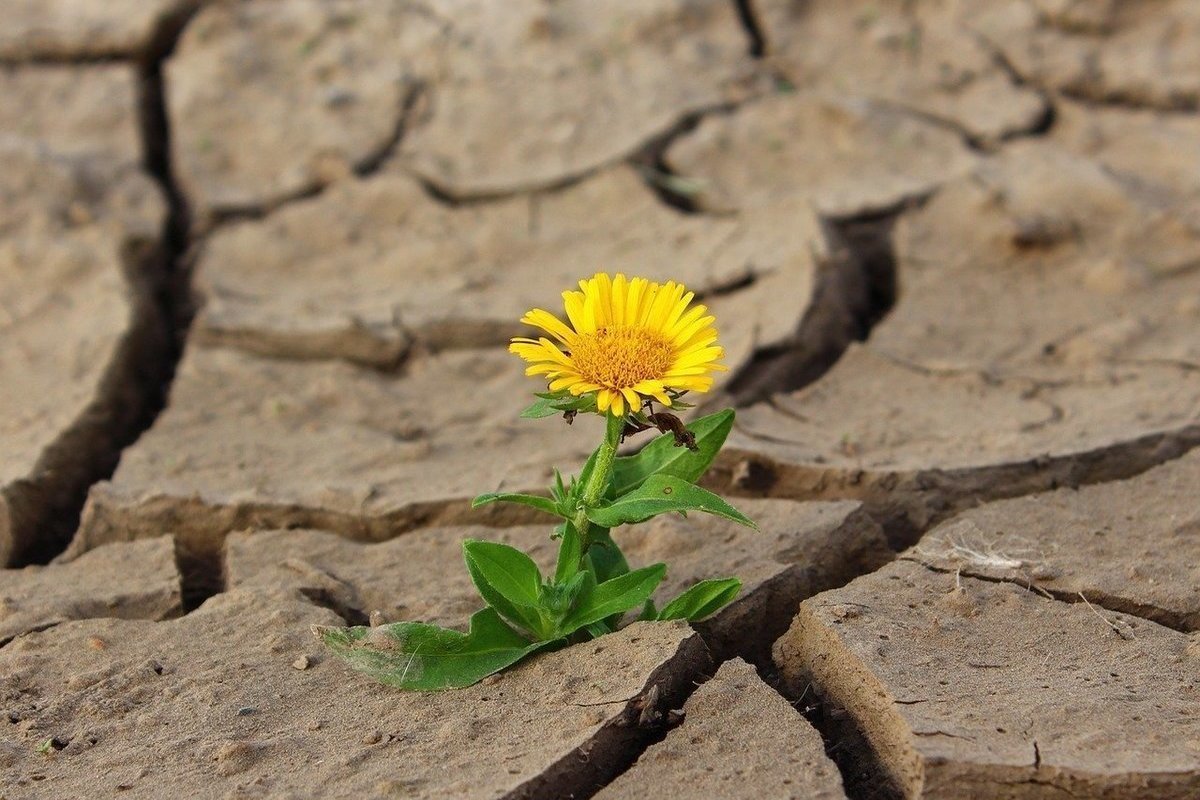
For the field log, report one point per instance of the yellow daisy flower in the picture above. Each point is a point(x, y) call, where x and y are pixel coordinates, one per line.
point(628, 340)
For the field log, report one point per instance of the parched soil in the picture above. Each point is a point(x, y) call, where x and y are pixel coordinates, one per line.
point(259, 262)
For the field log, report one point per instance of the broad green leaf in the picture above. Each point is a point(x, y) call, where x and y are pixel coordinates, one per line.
point(540, 503)
point(649, 612)
point(663, 457)
point(661, 494)
point(539, 408)
point(551, 403)
point(606, 559)
point(508, 580)
point(570, 552)
point(598, 629)
point(417, 656)
point(613, 597)
point(701, 600)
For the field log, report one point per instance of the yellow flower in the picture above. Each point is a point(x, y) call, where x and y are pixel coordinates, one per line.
point(628, 340)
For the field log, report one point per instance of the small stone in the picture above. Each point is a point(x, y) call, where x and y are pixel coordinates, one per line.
point(374, 737)
point(246, 711)
point(301, 663)
point(96, 643)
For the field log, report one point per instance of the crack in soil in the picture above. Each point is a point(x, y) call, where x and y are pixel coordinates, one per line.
point(855, 289)
point(748, 16)
point(619, 744)
point(1184, 623)
point(674, 190)
point(863, 775)
point(133, 390)
point(908, 502)
point(368, 165)
point(138, 382)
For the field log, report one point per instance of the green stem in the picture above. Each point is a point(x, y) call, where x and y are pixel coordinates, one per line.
point(593, 491)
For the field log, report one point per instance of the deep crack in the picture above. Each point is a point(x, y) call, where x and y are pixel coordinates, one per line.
point(674, 190)
point(748, 16)
point(854, 290)
point(138, 383)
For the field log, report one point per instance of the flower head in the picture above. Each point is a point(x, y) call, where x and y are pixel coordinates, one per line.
point(628, 340)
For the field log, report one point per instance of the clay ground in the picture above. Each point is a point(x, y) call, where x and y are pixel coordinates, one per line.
point(258, 264)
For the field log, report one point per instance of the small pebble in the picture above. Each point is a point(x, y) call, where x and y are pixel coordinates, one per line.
point(246, 711)
point(301, 663)
point(96, 643)
point(374, 737)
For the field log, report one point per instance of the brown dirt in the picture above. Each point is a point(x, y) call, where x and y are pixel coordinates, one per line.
point(214, 701)
point(137, 580)
point(965, 687)
point(69, 30)
point(81, 334)
point(781, 756)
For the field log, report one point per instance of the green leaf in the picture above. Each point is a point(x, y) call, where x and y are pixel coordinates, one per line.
point(597, 629)
point(662, 457)
point(509, 581)
point(570, 552)
point(542, 407)
point(417, 656)
point(701, 600)
point(613, 597)
point(649, 612)
point(661, 494)
point(585, 475)
point(540, 503)
point(606, 559)
point(550, 403)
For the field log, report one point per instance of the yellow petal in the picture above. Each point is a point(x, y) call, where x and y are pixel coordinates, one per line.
point(602, 286)
point(677, 372)
point(677, 310)
point(633, 299)
point(662, 306)
point(618, 404)
point(573, 304)
point(631, 397)
point(701, 339)
point(649, 298)
point(691, 330)
point(685, 321)
point(692, 384)
point(604, 399)
point(699, 357)
point(550, 324)
point(653, 389)
point(620, 289)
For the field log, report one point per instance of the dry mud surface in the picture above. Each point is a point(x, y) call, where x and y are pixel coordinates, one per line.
point(258, 265)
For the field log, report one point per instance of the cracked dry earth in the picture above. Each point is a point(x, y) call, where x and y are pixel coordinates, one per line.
point(258, 264)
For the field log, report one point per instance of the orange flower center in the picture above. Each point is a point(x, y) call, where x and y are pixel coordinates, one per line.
point(618, 357)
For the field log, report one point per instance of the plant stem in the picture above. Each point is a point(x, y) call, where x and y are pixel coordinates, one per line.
point(593, 491)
